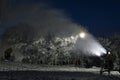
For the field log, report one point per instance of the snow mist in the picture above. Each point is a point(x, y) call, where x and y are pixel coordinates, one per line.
point(43, 20)
point(87, 44)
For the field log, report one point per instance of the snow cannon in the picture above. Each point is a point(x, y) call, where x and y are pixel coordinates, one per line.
point(107, 63)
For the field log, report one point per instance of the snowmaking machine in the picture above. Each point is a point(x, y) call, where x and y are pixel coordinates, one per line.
point(108, 63)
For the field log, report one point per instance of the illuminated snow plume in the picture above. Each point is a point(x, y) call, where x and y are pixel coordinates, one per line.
point(84, 42)
point(89, 45)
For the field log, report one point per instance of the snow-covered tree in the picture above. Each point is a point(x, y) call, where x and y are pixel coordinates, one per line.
point(112, 44)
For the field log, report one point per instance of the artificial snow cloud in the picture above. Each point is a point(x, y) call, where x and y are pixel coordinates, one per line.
point(44, 19)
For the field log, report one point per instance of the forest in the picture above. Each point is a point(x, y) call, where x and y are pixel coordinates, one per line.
point(53, 50)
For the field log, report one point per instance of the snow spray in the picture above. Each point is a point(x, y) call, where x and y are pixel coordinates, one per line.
point(87, 44)
point(46, 19)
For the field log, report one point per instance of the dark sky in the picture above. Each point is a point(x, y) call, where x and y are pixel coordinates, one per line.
point(100, 17)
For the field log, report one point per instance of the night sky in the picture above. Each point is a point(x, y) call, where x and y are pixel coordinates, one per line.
point(100, 17)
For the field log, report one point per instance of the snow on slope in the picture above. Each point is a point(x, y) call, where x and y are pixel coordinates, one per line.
point(19, 71)
point(6, 66)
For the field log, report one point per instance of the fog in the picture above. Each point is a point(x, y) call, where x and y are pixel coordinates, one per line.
point(44, 19)
point(89, 45)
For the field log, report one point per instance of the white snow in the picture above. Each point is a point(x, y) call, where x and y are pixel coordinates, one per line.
point(19, 71)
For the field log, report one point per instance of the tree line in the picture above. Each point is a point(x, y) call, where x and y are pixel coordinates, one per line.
point(52, 50)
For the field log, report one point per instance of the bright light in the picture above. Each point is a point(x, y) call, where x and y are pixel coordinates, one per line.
point(82, 35)
point(98, 54)
point(108, 52)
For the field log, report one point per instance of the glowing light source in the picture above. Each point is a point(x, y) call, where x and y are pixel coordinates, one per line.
point(108, 52)
point(82, 35)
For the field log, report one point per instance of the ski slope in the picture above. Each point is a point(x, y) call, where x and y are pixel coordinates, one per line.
point(19, 71)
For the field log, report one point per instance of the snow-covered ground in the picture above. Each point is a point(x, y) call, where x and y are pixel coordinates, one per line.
point(19, 71)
